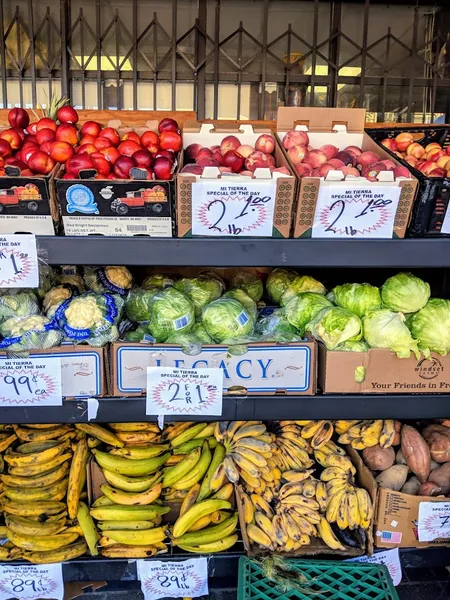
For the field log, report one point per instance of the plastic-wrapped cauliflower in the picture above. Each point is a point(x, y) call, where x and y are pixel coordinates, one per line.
point(114, 280)
point(75, 280)
point(138, 304)
point(227, 318)
point(250, 283)
point(157, 280)
point(90, 318)
point(171, 312)
point(29, 333)
point(56, 296)
point(17, 305)
point(200, 290)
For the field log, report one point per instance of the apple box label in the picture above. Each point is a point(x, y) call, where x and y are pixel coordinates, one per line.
point(230, 209)
point(355, 212)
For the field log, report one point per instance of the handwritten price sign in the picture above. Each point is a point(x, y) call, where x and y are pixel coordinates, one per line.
point(167, 579)
point(18, 261)
point(172, 391)
point(30, 582)
point(350, 212)
point(232, 210)
point(30, 382)
point(389, 558)
point(434, 521)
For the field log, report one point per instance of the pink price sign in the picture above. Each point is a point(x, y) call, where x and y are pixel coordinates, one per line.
point(18, 261)
point(30, 382)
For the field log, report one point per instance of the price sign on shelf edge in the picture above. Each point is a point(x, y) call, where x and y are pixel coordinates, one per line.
point(30, 382)
point(178, 391)
point(170, 579)
point(30, 582)
point(222, 208)
point(389, 558)
point(434, 521)
point(18, 261)
point(355, 212)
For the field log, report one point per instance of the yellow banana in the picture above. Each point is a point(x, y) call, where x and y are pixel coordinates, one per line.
point(245, 465)
point(54, 492)
point(128, 466)
point(364, 507)
point(123, 551)
point(334, 503)
point(352, 510)
point(251, 456)
point(247, 507)
point(197, 472)
point(252, 482)
point(76, 476)
point(197, 511)
point(303, 524)
point(41, 543)
point(131, 484)
point(44, 480)
point(26, 527)
point(253, 430)
point(150, 451)
point(321, 456)
point(281, 536)
point(322, 435)
point(39, 469)
point(32, 509)
point(334, 473)
point(296, 476)
point(327, 535)
point(343, 426)
point(101, 433)
point(255, 444)
point(190, 498)
point(261, 505)
point(225, 492)
point(209, 535)
point(136, 525)
point(342, 514)
point(88, 527)
point(142, 426)
point(113, 512)
point(35, 453)
point(309, 488)
point(289, 489)
point(132, 498)
point(40, 435)
point(258, 536)
point(265, 524)
point(57, 556)
point(145, 537)
point(322, 495)
point(309, 430)
point(218, 478)
point(7, 441)
point(231, 469)
point(387, 433)
point(219, 546)
point(332, 448)
point(290, 526)
point(343, 462)
point(137, 437)
point(206, 488)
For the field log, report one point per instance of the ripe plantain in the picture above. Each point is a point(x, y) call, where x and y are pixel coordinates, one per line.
point(219, 546)
point(190, 499)
point(35, 453)
point(139, 452)
point(57, 556)
point(114, 512)
point(40, 435)
point(127, 466)
point(100, 433)
point(123, 551)
point(132, 498)
point(142, 426)
point(137, 437)
point(54, 492)
point(201, 509)
point(131, 484)
point(144, 537)
point(76, 476)
point(41, 543)
point(327, 535)
point(211, 534)
point(26, 527)
point(39, 468)
point(40, 480)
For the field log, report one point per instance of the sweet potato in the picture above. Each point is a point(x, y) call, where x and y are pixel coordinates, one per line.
point(412, 486)
point(393, 478)
point(378, 459)
point(439, 444)
point(441, 476)
point(429, 489)
point(416, 452)
point(399, 458)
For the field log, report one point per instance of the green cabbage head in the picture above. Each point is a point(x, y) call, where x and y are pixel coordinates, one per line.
point(201, 290)
point(302, 308)
point(334, 326)
point(386, 329)
point(274, 323)
point(358, 298)
point(138, 304)
point(355, 346)
point(172, 312)
point(241, 296)
point(405, 293)
point(250, 283)
point(300, 285)
point(430, 326)
point(227, 318)
point(278, 282)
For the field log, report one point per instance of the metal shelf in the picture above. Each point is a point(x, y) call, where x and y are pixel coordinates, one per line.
point(411, 406)
point(250, 252)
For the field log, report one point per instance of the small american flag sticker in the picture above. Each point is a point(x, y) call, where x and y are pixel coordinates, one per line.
point(391, 537)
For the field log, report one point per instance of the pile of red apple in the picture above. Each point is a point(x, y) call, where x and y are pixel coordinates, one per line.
point(35, 148)
point(233, 157)
point(318, 162)
point(431, 160)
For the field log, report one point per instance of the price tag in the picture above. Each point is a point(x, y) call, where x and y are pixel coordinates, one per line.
point(434, 521)
point(30, 381)
point(18, 261)
point(167, 579)
point(232, 210)
point(173, 391)
point(446, 222)
point(355, 212)
point(30, 582)
point(390, 559)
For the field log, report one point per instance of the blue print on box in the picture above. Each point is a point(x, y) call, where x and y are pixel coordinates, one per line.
point(81, 199)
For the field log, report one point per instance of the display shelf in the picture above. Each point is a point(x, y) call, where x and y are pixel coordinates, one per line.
point(249, 252)
point(398, 406)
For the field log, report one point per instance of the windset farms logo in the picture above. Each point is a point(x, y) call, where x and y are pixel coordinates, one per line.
point(429, 368)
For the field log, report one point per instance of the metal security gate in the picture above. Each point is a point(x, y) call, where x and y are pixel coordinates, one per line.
point(229, 58)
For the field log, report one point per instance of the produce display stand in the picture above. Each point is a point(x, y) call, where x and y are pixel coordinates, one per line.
point(303, 254)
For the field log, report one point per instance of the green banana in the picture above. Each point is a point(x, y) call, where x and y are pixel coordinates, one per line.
point(182, 468)
point(198, 472)
point(187, 435)
point(195, 443)
point(201, 509)
point(210, 534)
point(218, 456)
point(129, 466)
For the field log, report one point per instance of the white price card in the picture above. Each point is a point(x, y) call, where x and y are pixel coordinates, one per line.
point(446, 222)
point(389, 558)
point(18, 261)
point(233, 209)
point(178, 391)
point(355, 212)
point(170, 579)
point(30, 582)
point(30, 381)
point(434, 521)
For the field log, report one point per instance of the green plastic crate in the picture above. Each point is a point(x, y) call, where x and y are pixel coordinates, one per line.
point(328, 580)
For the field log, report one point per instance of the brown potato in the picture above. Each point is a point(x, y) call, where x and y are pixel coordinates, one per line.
point(441, 476)
point(379, 459)
point(393, 478)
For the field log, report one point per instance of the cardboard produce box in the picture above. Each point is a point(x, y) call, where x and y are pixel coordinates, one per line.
point(396, 520)
point(330, 206)
point(121, 207)
point(385, 373)
point(266, 368)
point(363, 478)
point(272, 218)
point(83, 369)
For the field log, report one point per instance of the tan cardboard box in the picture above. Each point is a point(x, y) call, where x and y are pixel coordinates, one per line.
point(341, 127)
point(208, 135)
point(385, 373)
point(83, 369)
point(396, 521)
point(265, 368)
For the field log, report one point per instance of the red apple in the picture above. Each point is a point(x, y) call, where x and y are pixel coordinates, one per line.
point(67, 133)
point(336, 163)
point(168, 124)
point(257, 160)
point(168, 154)
point(233, 160)
point(403, 140)
point(415, 150)
point(390, 166)
point(347, 158)
point(45, 123)
point(18, 117)
point(354, 150)
point(297, 154)
point(16, 162)
point(91, 128)
point(5, 148)
point(12, 137)
point(402, 172)
point(41, 163)
point(150, 140)
point(102, 165)
point(20, 133)
point(143, 158)
point(192, 150)
point(217, 155)
point(207, 161)
point(162, 167)
point(46, 147)
point(366, 159)
point(192, 169)
point(86, 149)
point(295, 138)
point(170, 140)
point(45, 135)
point(123, 166)
point(245, 150)
point(67, 114)
point(203, 153)
point(111, 154)
point(329, 150)
point(390, 144)
point(32, 128)
point(90, 139)
point(315, 158)
point(131, 136)
point(27, 151)
point(230, 142)
point(128, 148)
point(61, 151)
point(111, 134)
point(79, 162)
point(265, 143)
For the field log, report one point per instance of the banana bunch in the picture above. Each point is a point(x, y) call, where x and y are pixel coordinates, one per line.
point(365, 434)
point(45, 479)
